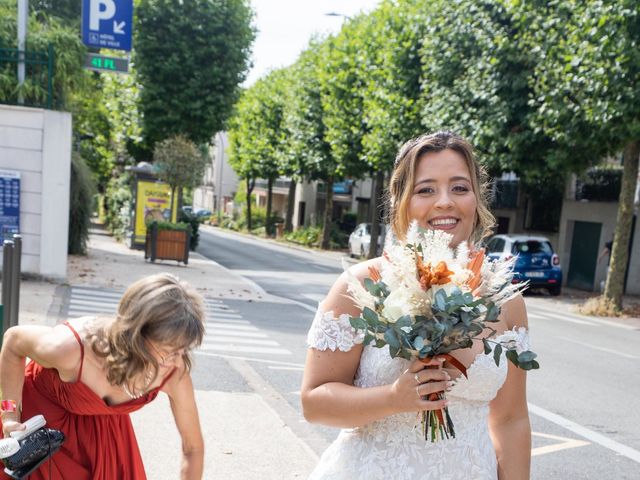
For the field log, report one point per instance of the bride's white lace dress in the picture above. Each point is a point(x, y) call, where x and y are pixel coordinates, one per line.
point(394, 448)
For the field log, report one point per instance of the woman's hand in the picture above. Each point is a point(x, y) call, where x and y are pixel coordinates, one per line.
point(410, 389)
point(11, 425)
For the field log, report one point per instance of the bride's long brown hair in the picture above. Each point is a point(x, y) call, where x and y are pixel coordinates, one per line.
point(159, 308)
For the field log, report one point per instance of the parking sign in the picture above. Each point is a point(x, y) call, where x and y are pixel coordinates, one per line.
point(107, 23)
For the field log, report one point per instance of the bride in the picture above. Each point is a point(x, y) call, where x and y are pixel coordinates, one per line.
point(375, 399)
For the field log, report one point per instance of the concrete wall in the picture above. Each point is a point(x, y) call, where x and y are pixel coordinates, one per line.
point(37, 143)
point(220, 181)
point(305, 192)
point(604, 213)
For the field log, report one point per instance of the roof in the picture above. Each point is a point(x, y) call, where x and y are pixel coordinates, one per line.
point(521, 237)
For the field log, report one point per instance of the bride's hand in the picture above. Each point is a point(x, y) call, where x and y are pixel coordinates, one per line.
point(410, 389)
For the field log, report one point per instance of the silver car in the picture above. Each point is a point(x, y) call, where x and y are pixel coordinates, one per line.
point(360, 240)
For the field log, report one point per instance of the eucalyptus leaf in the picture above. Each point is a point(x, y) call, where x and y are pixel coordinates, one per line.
point(391, 338)
point(526, 356)
point(512, 356)
point(369, 315)
point(487, 347)
point(497, 351)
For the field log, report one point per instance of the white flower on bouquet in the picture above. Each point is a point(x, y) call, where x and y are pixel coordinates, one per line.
point(360, 295)
point(398, 304)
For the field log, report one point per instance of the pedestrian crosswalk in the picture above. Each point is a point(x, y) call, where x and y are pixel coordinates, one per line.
point(227, 331)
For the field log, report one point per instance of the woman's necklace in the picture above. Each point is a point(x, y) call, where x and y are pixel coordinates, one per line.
point(134, 396)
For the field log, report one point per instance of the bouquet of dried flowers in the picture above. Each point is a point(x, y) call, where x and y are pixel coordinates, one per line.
point(429, 300)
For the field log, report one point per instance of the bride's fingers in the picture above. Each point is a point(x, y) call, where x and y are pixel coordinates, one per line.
point(433, 387)
point(419, 365)
point(430, 375)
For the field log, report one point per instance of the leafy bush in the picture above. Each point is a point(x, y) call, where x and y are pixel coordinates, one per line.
point(80, 205)
point(308, 236)
point(600, 184)
point(193, 221)
point(175, 227)
point(118, 198)
point(258, 217)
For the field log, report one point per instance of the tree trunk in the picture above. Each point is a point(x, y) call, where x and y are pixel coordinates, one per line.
point(291, 203)
point(180, 199)
point(250, 184)
point(172, 217)
point(614, 287)
point(269, 224)
point(376, 203)
point(328, 215)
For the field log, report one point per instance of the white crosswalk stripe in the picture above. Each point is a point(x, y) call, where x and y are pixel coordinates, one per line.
point(227, 331)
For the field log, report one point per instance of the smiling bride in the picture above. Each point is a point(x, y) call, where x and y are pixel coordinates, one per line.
point(377, 399)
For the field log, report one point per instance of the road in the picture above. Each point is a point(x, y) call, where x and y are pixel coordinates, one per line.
point(583, 401)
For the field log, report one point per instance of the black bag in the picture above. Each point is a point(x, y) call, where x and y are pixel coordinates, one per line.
point(34, 449)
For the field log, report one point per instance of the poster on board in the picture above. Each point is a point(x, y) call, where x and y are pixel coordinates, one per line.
point(153, 202)
point(9, 204)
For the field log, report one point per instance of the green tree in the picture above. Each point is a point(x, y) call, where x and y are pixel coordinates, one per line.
point(179, 163)
point(258, 133)
point(68, 77)
point(80, 205)
point(69, 11)
point(342, 90)
point(391, 107)
point(588, 97)
point(191, 56)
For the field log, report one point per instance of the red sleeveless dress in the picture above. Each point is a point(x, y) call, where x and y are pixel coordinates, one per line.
point(100, 442)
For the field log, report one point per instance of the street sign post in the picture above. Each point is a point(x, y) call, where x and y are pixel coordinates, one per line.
point(107, 23)
point(100, 63)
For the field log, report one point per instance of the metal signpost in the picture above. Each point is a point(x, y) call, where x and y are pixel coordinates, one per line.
point(107, 24)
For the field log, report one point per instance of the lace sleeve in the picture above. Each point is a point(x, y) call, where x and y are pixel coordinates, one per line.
point(518, 337)
point(327, 332)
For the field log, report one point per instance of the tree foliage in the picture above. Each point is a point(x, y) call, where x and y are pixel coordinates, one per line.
point(191, 56)
point(588, 97)
point(69, 78)
point(179, 163)
point(258, 133)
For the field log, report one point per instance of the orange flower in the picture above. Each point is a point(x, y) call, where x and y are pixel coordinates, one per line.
point(429, 276)
point(374, 273)
point(475, 265)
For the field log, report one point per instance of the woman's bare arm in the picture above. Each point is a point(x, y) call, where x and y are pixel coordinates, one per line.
point(179, 388)
point(509, 416)
point(50, 347)
point(328, 394)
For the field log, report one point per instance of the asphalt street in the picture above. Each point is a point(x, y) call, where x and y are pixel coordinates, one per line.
point(583, 401)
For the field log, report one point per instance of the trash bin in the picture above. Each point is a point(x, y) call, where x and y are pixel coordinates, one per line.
point(279, 229)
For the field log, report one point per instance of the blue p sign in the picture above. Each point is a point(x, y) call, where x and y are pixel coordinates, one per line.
point(107, 23)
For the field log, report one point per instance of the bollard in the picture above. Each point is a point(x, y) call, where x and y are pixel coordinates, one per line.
point(7, 264)
point(14, 299)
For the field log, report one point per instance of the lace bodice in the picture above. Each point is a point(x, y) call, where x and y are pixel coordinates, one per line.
point(394, 448)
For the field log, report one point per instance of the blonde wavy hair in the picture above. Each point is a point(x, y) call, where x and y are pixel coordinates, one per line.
point(159, 308)
point(404, 175)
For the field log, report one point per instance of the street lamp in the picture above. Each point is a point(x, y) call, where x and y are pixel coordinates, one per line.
point(336, 14)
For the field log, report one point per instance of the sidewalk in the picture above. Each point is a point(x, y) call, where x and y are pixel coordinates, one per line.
point(244, 436)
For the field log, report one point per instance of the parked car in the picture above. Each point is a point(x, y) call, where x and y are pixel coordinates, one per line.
point(536, 262)
point(203, 214)
point(187, 209)
point(360, 239)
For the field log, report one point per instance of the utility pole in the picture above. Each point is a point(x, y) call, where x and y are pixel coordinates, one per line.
point(219, 185)
point(23, 15)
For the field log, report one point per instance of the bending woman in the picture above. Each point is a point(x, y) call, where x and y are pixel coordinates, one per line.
point(86, 375)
